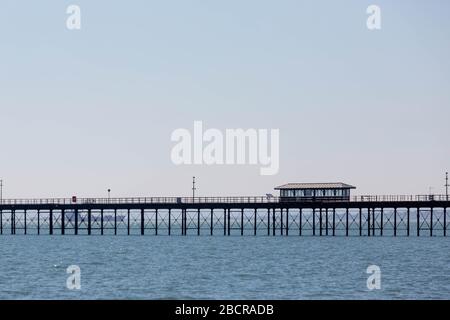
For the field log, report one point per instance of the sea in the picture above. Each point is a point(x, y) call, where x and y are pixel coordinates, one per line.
point(220, 267)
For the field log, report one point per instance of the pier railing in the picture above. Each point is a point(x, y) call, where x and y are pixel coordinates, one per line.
point(237, 199)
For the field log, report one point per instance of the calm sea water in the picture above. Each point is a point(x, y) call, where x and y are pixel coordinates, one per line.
point(149, 267)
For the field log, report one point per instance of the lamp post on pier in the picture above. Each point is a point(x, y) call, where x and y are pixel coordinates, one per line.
point(430, 193)
point(446, 186)
point(193, 189)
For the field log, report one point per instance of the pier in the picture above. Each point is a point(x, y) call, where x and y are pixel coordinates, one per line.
point(369, 216)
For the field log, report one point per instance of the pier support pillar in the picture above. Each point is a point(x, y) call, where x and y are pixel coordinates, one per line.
point(128, 222)
point(89, 221)
point(360, 222)
point(255, 222)
point(76, 221)
point(395, 222)
point(156, 222)
point(431, 222)
point(445, 221)
point(63, 221)
point(182, 222)
point(407, 221)
point(12, 222)
point(320, 222)
point(300, 227)
point(242, 222)
point(281, 221)
point(170, 222)
point(418, 222)
point(346, 222)
point(212, 222)
point(229, 221)
point(115, 221)
point(334, 222)
point(314, 221)
point(273, 222)
point(374, 222)
point(25, 221)
point(287, 221)
point(382, 221)
point(198, 222)
point(39, 222)
point(142, 222)
point(50, 228)
point(185, 222)
point(101, 222)
point(224, 222)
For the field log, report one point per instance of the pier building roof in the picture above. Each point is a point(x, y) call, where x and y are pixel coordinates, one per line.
point(328, 185)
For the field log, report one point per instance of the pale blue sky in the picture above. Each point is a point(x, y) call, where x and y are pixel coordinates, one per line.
point(83, 111)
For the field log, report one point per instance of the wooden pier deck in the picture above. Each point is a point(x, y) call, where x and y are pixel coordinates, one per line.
point(421, 215)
